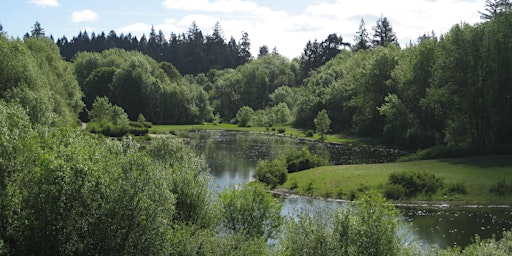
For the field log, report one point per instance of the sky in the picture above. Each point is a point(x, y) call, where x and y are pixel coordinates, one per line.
point(285, 24)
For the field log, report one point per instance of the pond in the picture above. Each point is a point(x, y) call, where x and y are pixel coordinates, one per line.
point(232, 157)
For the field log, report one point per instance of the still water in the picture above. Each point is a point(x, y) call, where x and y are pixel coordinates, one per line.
point(232, 157)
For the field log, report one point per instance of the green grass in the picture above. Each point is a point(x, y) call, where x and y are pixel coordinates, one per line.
point(289, 131)
point(478, 173)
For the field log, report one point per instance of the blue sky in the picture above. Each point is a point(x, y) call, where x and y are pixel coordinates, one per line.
point(285, 24)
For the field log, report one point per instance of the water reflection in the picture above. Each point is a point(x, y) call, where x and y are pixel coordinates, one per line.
point(457, 227)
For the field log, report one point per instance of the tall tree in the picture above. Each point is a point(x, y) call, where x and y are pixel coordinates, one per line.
point(2, 32)
point(37, 30)
point(361, 39)
point(316, 53)
point(384, 34)
point(263, 51)
point(244, 46)
point(494, 8)
point(216, 49)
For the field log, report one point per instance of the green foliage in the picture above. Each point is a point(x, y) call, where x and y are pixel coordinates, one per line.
point(281, 113)
point(112, 121)
point(490, 246)
point(33, 74)
point(501, 188)
point(322, 123)
point(271, 173)
point(412, 183)
point(139, 84)
point(191, 240)
point(109, 198)
point(367, 228)
point(251, 85)
point(190, 180)
point(457, 188)
point(244, 116)
point(298, 160)
point(309, 189)
point(250, 211)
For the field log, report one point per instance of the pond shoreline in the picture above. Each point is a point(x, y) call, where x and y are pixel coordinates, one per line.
point(287, 194)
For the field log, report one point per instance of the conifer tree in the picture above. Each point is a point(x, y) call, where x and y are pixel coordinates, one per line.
point(383, 33)
point(362, 39)
point(494, 8)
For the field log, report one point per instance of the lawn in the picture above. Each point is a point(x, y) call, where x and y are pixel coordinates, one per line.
point(288, 131)
point(478, 173)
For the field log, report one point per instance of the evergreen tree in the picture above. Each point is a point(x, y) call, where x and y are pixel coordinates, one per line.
point(2, 32)
point(264, 51)
point(384, 34)
point(37, 30)
point(494, 8)
point(216, 49)
point(361, 39)
point(244, 46)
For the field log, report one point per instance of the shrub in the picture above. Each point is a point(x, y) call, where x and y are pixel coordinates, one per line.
point(110, 130)
point(501, 188)
point(271, 173)
point(340, 194)
point(457, 188)
point(368, 229)
point(281, 130)
point(299, 160)
point(294, 185)
point(250, 211)
point(309, 133)
point(309, 189)
point(415, 183)
point(244, 116)
point(394, 192)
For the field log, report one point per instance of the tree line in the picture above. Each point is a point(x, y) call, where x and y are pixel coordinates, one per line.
point(191, 52)
point(443, 90)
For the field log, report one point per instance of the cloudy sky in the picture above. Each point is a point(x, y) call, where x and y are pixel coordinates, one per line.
point(285, 24)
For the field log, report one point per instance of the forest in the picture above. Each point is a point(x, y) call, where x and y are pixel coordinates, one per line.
point(64, 191)
point(452, 89)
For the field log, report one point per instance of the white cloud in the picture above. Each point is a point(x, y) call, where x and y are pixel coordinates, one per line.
point(290, 32)
point(84, 16)
point(45, 3)
point(136, 29)
point(223, 6)
point(409, 18)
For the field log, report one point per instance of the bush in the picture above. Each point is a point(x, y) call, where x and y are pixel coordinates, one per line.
point(244, 116)
point(309, 189)
point(369, 229)
point(457, 188)
point(271, 173)
point(250, 211)
point(394, 192)
point(294, 185)
point(501, 188)
point(281, 130)
point(309, 133)
point(415, 183)
point(299, 160)
point(111, 130)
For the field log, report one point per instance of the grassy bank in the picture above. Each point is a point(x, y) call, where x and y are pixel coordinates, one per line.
point(478, 174)
point(286, 130)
